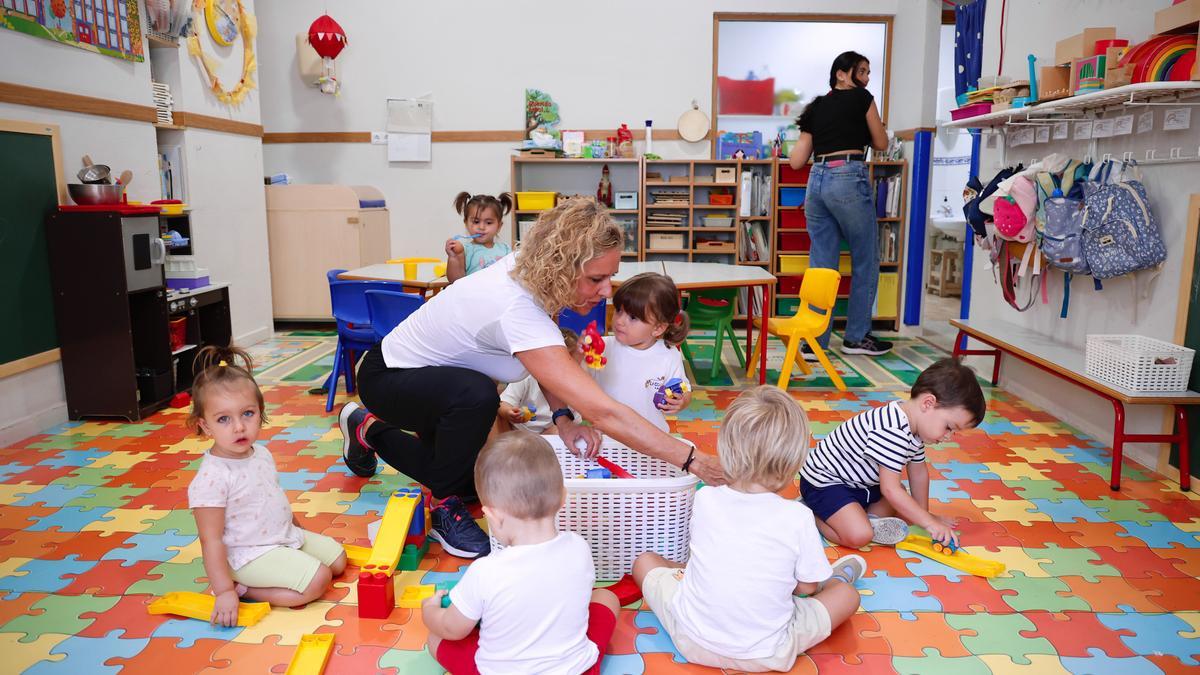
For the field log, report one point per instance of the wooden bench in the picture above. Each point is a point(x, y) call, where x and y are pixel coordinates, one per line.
point(1067, 362)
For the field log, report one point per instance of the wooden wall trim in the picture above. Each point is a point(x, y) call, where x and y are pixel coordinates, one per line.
point(480, 136)
point(61, 100)
point(198, 121)
point(911, 134)
point(29, 362)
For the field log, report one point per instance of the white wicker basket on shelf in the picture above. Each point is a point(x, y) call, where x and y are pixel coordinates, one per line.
point(621, 518)
point(1139, 363)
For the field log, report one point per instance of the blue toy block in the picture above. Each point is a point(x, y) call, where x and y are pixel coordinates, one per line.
point(599, 473)
point(417, 526)
point(446, 586)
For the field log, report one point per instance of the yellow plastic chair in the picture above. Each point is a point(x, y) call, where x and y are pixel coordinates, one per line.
point(818, 293)
point(410, 266)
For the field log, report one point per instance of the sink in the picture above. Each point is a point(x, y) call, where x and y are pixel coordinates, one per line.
point(955, 228)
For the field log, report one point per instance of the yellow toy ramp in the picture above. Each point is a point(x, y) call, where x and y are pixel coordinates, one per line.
point(200, 606)
point(311, 655)
point(397, 516)
point(960, 560)
point(357, 555)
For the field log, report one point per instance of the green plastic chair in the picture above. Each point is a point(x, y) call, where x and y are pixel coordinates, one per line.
point(713, 309)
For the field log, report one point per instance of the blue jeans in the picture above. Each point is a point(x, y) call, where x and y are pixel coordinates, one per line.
point(839, 205)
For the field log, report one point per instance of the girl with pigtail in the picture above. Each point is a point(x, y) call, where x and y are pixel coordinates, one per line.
point(478, 248)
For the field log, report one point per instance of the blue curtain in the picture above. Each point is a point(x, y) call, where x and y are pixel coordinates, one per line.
point(968, 45)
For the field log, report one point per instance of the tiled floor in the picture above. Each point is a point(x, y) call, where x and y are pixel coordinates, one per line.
point(94, 524)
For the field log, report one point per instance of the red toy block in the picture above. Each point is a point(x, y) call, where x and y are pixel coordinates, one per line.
point(626, 590)
point(417, 540)
point(376, 593)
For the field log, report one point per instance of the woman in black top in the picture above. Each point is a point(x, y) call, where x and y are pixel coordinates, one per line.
point(834, 131)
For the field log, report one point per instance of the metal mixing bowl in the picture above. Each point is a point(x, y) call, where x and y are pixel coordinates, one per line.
point(88, 195)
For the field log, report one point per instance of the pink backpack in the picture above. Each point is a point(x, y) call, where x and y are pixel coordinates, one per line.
point(1013, 214)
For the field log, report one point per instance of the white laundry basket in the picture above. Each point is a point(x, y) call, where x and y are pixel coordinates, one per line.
point(1139, 363)
point(622, 518)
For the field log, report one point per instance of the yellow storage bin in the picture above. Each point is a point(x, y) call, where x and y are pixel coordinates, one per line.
point(887, 294)
point(535, 200)
point(797, 264)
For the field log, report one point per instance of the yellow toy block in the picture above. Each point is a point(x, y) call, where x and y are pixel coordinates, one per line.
point(414, 595)
point(311, 655)
point(357, 555)
point(397, 517)
point(959, 560)
point(200, 606)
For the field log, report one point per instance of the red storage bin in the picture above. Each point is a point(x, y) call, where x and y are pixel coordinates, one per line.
point(794, 241)
point(745, 97)
point(788, 175)
point(792, 219)
point(178, 332)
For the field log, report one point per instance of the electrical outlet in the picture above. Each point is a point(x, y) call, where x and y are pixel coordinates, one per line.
point(379, 138)
point(991, 142)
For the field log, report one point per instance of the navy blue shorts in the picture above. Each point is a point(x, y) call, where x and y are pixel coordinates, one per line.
point(826, 501)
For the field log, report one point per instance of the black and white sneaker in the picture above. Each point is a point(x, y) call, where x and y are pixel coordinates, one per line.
point(452, 526)
point(869, 345)
point(807, 353)
point(359, 457)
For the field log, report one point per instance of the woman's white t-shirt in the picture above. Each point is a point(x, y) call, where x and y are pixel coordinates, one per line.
point(479, 322)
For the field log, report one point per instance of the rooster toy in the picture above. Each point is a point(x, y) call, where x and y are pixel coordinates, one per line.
point(593, 347)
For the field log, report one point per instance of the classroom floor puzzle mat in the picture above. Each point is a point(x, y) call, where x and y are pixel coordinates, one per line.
point(94, 525)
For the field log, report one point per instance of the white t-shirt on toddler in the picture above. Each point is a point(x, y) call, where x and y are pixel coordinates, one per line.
point(532, 604)
point(632, 376)
point(748, 551)
point(529, 392)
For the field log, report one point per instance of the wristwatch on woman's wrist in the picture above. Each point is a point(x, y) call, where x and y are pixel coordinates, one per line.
point(562, 412)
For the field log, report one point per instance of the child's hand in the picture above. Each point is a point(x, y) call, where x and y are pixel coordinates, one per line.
point(433, 602)
point(940, 530)
point(225, 609)
point(673, 405)
point(454, 247)
point(513, 415)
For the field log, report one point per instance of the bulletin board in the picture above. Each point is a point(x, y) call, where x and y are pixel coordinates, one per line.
point(31, 162)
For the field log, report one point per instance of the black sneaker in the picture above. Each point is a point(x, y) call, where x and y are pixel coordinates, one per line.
point(358, 457)
point(454, 528)
point(807, 353)
point(869, 345)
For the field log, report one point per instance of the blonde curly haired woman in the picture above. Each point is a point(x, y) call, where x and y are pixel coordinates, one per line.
point(435, 373)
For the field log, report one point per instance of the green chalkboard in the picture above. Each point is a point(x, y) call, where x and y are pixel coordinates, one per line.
point(28, 193)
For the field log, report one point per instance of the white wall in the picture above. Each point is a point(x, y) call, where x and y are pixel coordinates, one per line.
point(621, 61)
point(225, 172)
point(1034, 26)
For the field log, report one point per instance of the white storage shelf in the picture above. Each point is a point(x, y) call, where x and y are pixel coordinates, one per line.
point(1130, 93)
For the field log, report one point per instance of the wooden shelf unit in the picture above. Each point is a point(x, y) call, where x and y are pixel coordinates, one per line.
point(890, 283)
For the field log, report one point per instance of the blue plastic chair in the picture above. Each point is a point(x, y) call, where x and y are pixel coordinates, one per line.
point(355, 335)
point(577, 322)
point(389, 308)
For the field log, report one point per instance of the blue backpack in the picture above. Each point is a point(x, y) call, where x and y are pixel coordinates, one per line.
point(1120, 232)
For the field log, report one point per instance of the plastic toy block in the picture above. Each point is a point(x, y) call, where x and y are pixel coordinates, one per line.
point(311, 655)
point(626, 590)
point(419, 519)
point(671, 389)
point(446, 586)
point(401, 509)
point(376, 592)
point(593, 347)
point(417, 540)
point(599, 473)
point(357, 555)
point(411, 557)
point(528, 412)
point(414, 595)
point(617, 471)
point(959, 561)
point(200, 606)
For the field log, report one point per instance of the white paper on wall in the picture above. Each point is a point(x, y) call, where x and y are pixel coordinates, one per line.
point(410, 129)
point(1102, 128)
point(1062, 131)
point(406, 147)
point(1123, 125)
point(1083, 131)
point(1177, 119)
point(1043, 135)
point(1145, 122)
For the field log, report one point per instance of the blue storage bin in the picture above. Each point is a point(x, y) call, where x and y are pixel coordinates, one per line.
point(791, 196)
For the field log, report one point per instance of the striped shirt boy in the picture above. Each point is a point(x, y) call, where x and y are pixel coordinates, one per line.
point(854, 451)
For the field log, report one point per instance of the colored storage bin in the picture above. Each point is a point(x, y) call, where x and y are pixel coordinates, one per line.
point(789, 175)
point(718, 221)
point(745, 97)
point(791, 285)
point(972, 110)
point(792, 219)
point(886, 295)
point(660, 241)
point(793, 196)
point(720, 199)
point(797, 264)
point(794, 241)
point(535, 200)
point(786, 306)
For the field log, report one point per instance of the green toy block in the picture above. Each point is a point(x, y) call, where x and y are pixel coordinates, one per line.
point(446, 586)
point(411, 556)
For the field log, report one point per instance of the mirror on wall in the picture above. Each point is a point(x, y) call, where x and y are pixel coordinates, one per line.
point(767, 67)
